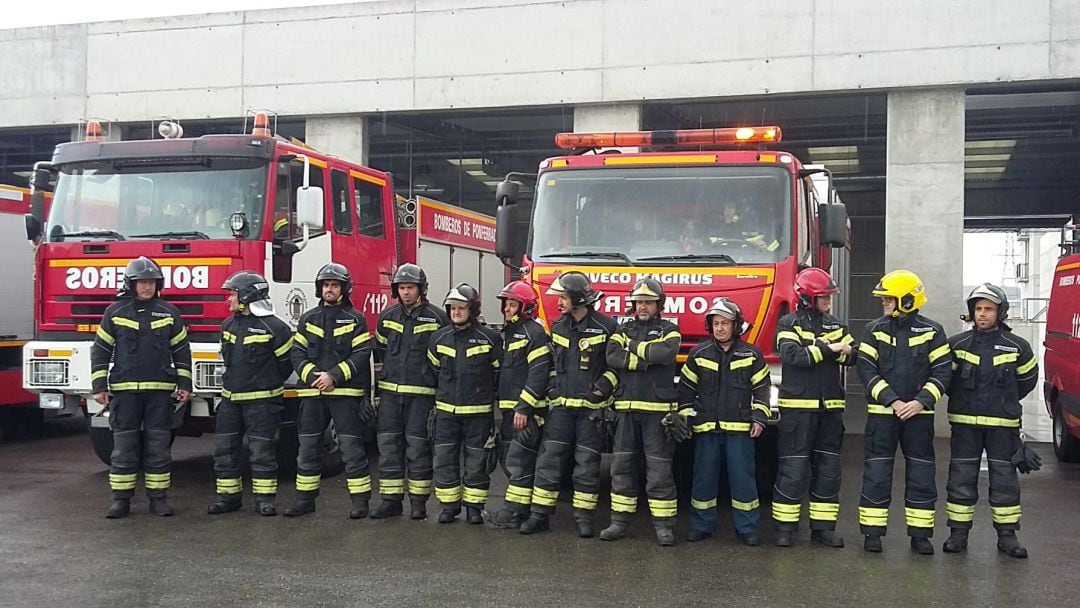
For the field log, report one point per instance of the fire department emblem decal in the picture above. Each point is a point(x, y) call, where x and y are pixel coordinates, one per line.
point(295, 305)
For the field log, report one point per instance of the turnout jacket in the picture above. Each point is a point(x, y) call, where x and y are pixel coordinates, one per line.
point(904, 358)
point(401, 343)
point(811, 377)
point(147, 344)
point(526, 366)
point(466, 361)
point(580, 361)
point(992, 372)
point(643, 357)
point(333, 339)
point(256, 354)
point(728, 389)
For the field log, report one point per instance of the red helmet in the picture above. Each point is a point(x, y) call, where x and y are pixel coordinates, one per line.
point(523, 293)
point(811, 283)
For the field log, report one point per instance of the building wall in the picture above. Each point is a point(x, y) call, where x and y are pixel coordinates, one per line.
point(402, 55)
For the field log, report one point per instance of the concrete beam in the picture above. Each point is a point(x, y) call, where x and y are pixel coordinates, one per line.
point(343, 136)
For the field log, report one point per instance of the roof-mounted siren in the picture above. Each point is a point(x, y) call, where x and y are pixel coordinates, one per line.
point(685, 137)
point(260, 122)
point(170, 129)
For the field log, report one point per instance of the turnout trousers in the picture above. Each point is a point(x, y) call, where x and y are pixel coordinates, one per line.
point(315, 414)
point(520, 460)
point(405, 461)
point(259, 420)
point(711, 450)
point(809, 450)
point(569, 433)
point(146, 415)
point(640, 436)
point(455, 434)
point(916, 439)
point(968, 444)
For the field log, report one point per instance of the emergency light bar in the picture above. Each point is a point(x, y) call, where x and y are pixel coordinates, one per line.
point(687, 137)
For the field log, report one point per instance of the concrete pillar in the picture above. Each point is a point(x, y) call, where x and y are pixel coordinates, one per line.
point(924, 199)
point(345, 137)
point(608, 117)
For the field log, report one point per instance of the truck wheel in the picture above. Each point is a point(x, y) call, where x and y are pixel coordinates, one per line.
point(1066, 445)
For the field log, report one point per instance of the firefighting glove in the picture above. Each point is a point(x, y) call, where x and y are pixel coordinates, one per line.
point(529, 436)
point(367, 412)
point(1026, 460)
point(677, 426)
point(490, 460)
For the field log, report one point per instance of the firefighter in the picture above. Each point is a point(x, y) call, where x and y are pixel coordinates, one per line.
point(465, 357)
point(724, 389)
point(332, 357)
point(255, 347)
point(145, 339)
point(523, 382)
point(993, 370)
point(642, 351)
point(905, 365)
point(407, 394)
point(813, 345)
point(578, 395)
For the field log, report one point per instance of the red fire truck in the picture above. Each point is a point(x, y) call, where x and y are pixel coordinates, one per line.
point(207, 207)
point(1061, 361)
point(733, 218)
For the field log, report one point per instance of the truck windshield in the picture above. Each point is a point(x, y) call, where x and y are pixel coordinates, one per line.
point(116, 201)
point(712, 215)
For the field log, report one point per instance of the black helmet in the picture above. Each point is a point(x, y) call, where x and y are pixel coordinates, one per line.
point(729, 310)
point(334, 272)
point(409, 273)
point(142, 268)
point(995, 294)
point(250, 286)
point(576, 285)
point(648, 290)
point(464, 294)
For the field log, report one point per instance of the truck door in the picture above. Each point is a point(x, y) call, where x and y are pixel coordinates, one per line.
point(363, 238)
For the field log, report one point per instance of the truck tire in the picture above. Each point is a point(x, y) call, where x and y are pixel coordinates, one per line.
point(1066, 446)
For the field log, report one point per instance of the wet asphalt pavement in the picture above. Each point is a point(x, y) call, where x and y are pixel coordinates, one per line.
point(56, 549)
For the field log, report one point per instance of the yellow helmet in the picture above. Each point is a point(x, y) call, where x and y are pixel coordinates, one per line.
point(906, 287)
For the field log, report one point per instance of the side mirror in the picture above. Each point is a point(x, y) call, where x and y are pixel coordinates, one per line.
point(309, 207)
point(506, 241)
point(833, 225)
point(33, 227)
point(39, 184)
point(506, 193)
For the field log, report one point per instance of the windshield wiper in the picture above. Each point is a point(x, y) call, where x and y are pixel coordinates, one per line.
point(92, 233)
point(181, 234)
point(712, 257)
point(591, 254)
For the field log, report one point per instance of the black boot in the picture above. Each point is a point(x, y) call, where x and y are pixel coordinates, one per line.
point(583, 520)
point(387, 507)
point(665, 533)
point(160, 506)
point(783, 538)
point(509, 519)
point(957, 541)
point(360, 503)
point(537, 522)
point(694, 536)
point(872, 543)
point(750, 539)
point(616, 530)
point(304, 504)
point(264, 505)
point(922, 545)
point(120, 507)
point(223, 504)
point(418, 508)
point(828, 538)
point(474, 516)
point(1010, 545)
point(449, 514)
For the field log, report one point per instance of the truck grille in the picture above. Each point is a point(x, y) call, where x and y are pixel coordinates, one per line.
point(48, 372)
point(208, 375)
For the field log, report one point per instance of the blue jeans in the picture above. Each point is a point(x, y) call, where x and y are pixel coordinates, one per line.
point(710, 449)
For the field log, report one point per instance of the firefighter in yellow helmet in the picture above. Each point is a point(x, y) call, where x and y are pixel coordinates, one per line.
point(905, 364)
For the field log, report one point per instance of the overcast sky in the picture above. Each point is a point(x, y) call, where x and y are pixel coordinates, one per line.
point(28, 14)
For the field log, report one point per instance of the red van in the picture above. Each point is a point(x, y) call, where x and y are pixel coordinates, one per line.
point(1061, 364)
